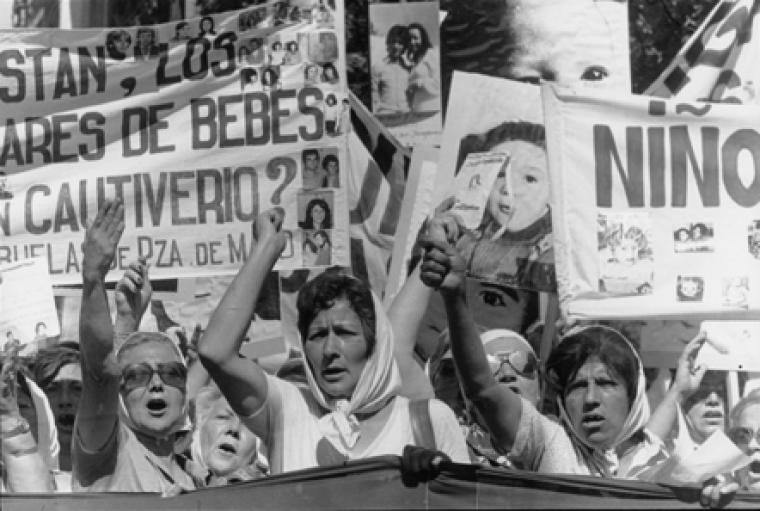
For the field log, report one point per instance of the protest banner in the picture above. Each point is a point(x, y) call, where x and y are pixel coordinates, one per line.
point(655, 204)
point(405, 47)
point(196, 126)
point(29, 315)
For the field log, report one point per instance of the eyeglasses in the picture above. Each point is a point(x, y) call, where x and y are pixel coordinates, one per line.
point(524, 363)
point(139, 375)
point(743, 436)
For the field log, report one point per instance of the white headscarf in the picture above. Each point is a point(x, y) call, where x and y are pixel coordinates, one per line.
point(47, 432)
point(605, 463)
point(378, 383)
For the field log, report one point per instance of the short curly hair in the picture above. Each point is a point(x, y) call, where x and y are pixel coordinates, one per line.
point(519, 130)
point(323, 291)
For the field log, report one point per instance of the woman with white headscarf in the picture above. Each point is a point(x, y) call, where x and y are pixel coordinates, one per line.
point(351, 408)
point(595, 372)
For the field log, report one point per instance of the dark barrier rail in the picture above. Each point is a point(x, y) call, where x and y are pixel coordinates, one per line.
point(376, 483)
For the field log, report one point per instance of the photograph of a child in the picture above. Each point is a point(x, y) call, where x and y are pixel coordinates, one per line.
point(690, 288)
point(513, 243)
point(626, 262)
point(316, 248)
point(736, 291)
point(694, 237)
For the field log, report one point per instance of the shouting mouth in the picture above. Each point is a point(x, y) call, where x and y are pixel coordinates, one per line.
point(65, 421)
point(592, 421)
point(156, 407)
point(332, 374)
point(227, 449)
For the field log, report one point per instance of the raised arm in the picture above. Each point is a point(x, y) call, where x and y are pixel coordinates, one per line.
point(688, 378)
point(405, 314)
point(242, 381)
point(443, 268)
point(98, 406)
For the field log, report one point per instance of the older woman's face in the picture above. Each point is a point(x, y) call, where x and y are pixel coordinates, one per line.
point(317, 214)
point(597, 404)
point(749, 423)
point(157, 406)
point(707, 413)
point(64, 393)
point(336, 349)
point(226, 444)
point(524, 199)
point(526, 383)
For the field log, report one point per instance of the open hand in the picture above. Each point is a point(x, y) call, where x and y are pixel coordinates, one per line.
point(101, 239)
point(133, 291)
point(688, 374)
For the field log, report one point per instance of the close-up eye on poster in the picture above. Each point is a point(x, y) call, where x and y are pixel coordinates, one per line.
point(379, 254)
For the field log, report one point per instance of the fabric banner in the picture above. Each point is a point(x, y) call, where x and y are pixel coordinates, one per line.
point(719, 62)
point(197, 126)
point(655, 206)
point(378, 483)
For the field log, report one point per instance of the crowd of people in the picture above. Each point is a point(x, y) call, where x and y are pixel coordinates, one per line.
point(130, 410)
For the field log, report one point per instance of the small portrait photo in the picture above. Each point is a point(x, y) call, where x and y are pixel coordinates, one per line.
point(5, 193)
point(330, 74)
point(753, 238)
point(182, 32)
point(251, 51)
point(292, 54)
point(319, 46)
point(690, 288)
point(331, 166)
point(206, 27)
point(316, 247)
point(736, 291)
point(331, 112)
point(315, 210)
point(251, 19)
point(270, 78)
point(311, 169)
point(276, 52)
point(322, 15)
point(146, 44)
point(693, 237)
point(117, 44)
point(249, 79)
point(311, 74)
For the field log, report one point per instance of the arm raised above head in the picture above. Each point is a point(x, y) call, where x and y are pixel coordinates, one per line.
point(443, 268)
point(242, 381)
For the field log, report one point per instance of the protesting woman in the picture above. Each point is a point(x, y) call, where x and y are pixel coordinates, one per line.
point(595, 372)
point(351, 408)
point(133, 392)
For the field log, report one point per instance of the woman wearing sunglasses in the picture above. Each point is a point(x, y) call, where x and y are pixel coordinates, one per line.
point(351, 408)
point(133, 390)
point(595, 372)
point(745, 433)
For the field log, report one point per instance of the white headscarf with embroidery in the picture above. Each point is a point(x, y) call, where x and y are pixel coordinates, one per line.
point(379, 382)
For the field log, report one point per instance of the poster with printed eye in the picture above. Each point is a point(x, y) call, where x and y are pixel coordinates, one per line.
point(197, 126)
point(654, 205)
point(405, 69)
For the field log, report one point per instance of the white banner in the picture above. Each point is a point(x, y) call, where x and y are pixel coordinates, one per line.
point(197, 126)
point(655, 206)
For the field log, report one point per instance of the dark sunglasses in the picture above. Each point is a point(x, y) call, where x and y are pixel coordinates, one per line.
point(524, 363)
point(743, 436)
point(139, 375)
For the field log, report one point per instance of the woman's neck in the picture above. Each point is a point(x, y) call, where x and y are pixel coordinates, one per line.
point(161, 447)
